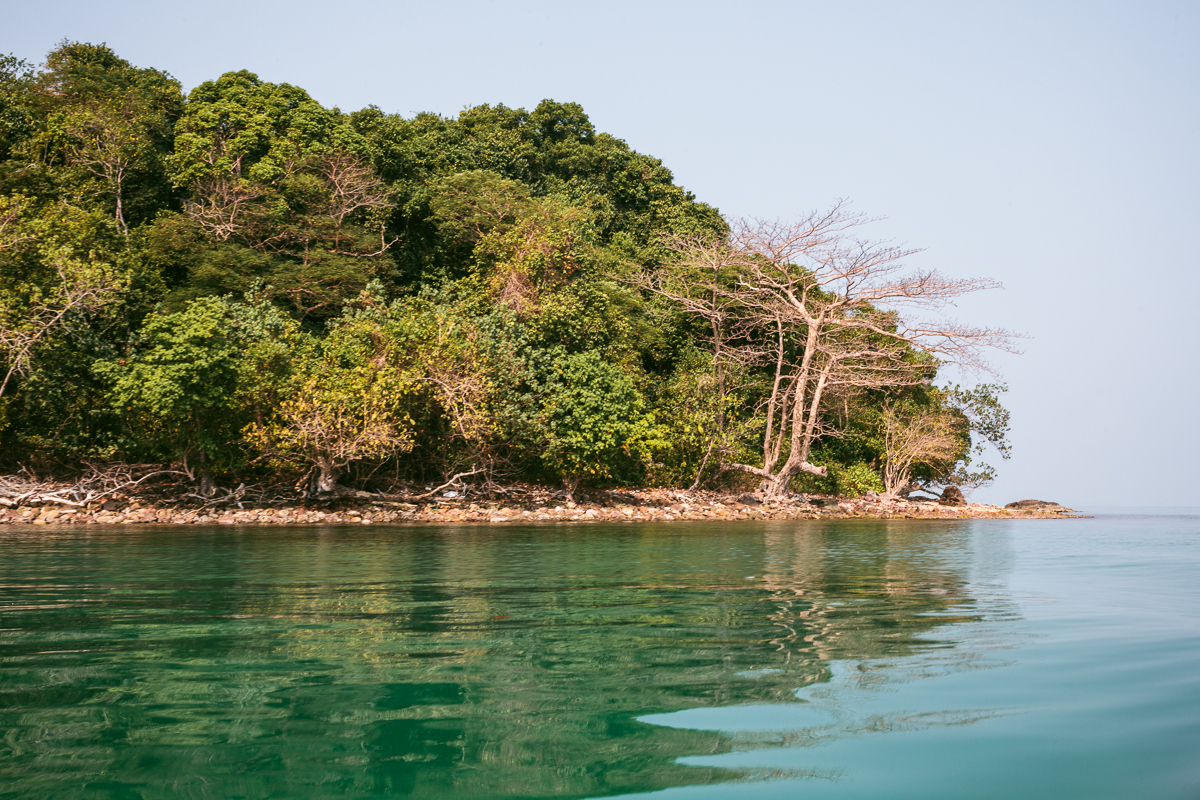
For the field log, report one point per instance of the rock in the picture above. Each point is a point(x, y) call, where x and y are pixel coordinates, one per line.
point(1039, 505)
point(749, 500)
point(952, 496)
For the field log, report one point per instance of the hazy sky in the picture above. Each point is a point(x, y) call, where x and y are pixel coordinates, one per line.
point(1052, 146)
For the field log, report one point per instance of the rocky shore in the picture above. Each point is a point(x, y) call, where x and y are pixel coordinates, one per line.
point(650, 505)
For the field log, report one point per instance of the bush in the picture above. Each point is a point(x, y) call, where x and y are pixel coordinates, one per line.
point(853, 480)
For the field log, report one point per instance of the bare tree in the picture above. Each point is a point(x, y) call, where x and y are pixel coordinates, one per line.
point(819, 308)
point(220, 204)
point(930, 437)
point(226, 205)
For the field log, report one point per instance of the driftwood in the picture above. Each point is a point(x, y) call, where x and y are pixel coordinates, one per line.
point(95, 486)
point(455, 481)
point(167, 486)
point(162, 484)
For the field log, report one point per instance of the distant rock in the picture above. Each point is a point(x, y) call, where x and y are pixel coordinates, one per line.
point(1039, 505)
point(952, 496)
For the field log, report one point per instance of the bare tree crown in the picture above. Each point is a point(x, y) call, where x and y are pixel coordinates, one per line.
point(820, 306)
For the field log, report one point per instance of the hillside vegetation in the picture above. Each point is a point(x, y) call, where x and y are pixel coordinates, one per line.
point(240, 282)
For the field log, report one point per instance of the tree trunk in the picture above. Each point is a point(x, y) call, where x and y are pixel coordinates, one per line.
point(207, 486)
point(775, 487)
point(325, 480)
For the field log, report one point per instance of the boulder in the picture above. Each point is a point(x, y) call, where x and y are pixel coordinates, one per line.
point(749, 500)
point(952, 496)
point(1039, 505)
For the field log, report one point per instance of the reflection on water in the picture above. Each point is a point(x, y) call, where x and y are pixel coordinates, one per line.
point(461, 662)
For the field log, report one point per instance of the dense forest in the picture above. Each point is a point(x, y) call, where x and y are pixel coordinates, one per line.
point(242, 283)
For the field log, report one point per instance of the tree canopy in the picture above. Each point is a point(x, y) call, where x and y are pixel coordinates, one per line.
point(237, 279)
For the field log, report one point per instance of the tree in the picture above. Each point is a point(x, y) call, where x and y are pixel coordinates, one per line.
point(346, 404)
point(699, 282)
point(53, 270)
point(16, 114)
point(701, 423)
point(595, 418)
point(809, 301)
point(107, 122)
point(469, 205)
point(915, 437)
point(269, 170)
point(471, 369)
point(105, 137)
point(980, 421)
point(179, 386)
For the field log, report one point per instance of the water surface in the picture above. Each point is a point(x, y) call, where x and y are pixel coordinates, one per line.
point(1056, 658)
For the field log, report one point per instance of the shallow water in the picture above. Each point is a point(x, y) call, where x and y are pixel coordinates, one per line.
point(988, 658)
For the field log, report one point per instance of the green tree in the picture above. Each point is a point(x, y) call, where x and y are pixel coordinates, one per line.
point(56, 266)
point(270, 171)
point(178, 386)
point(108, 125)
point(597, 423)
point(16, 114)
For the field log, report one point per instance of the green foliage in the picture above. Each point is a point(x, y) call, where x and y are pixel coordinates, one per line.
point(700, 425)
point(987, 423)
point(16, 111)
point(852, 479)
point(855, 480)
point(105, 127)
point(474, 408)
point(467, 206)
point(239, 126)
point(177, 387)
point(443, 294)
point(597, 424)
point(346, 403)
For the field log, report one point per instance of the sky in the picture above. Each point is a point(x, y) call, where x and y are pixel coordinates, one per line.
point(1051, 146)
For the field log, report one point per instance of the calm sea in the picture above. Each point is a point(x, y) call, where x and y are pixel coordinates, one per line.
point(898, 659)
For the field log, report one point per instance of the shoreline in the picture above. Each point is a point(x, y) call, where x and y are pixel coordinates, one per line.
point(650, 505)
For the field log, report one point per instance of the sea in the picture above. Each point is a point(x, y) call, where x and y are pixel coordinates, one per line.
point(1040, 658)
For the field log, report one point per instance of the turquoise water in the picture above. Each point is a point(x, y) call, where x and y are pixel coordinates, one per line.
point(1055, 658)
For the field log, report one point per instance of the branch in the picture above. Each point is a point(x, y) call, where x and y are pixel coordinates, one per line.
point(455, 481)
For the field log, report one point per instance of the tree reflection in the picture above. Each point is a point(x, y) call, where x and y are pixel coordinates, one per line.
point(468, 662)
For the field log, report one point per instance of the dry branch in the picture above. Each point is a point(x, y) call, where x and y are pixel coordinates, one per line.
point(819, 308)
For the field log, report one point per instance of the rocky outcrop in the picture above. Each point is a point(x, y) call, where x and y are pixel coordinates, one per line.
point(1040, 506)
point(952, 496)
